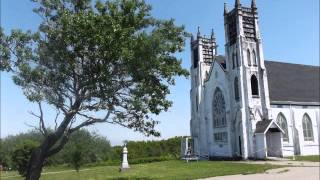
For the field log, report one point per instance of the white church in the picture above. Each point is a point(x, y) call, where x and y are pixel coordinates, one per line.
point(243, 106)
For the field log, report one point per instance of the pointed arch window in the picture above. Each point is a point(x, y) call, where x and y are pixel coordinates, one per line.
point(233, 61)
point(249, 57)
point(254, 86)
point(307, 128)
point(254, 56)
point(195, 57)
point(219, 109)
point(236, 59)
point(236, 89)
point(281, 120)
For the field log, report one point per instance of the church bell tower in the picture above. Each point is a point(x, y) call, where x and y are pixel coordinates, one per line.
point(203, 51)
point(247, 74)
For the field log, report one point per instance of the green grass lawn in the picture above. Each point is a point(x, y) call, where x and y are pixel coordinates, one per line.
point(159, 170)
point(313, 158)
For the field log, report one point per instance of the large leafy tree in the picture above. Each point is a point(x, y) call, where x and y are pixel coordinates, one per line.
point(104, 62)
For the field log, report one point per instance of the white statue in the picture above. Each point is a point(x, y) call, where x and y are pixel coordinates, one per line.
point(125, 164)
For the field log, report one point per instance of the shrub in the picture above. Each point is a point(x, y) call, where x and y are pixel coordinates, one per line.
point(22, 154)
point(77, 157)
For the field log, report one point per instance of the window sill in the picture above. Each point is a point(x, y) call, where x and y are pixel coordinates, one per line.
point(255, 96)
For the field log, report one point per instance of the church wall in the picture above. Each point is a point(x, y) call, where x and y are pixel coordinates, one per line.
point(217, 79)
point(294, 116)
point(234, 66)
point(287, 147)
point(261, 146)
point(307, 147)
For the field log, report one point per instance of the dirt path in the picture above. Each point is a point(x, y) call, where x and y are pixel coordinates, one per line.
point(285, 163)
point(300, 171)
point(290, 173)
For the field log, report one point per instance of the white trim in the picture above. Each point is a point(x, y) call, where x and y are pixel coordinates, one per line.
point(272, 121)
point(294, 103)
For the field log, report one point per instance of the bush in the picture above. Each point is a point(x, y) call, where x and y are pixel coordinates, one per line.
point(76, 158)
point(22, 154)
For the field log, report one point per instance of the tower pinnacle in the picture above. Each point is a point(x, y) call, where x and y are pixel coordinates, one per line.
point(198, 34)
point(253, 4)
point(225, 8)
point(212, 34)
point(237, 3)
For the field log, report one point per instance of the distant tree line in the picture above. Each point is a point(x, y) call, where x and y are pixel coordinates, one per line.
point(93, 148)
point(145, 149)
point(85, 147)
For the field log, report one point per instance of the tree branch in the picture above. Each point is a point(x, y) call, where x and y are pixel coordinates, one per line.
point(42, 128)
point(55, 120)
point(42, 120)
point(35, 127)
point(90, 121)
point(56, 149)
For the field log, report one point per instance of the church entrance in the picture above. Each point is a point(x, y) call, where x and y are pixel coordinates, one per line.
point(274, 145)
point(268, 139)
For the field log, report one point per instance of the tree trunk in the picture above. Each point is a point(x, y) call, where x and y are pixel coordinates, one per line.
point(36, 163)
point(40, 154)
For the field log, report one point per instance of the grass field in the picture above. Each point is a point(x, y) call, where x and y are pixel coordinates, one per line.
point(313, 158)
point(157, 170)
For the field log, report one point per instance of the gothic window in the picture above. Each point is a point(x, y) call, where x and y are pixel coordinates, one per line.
point(254, 86)
point(219, 109)
point(307, 128)
point(254, 58)
point(249, 57)
point(281, 120)
point(233, 61)
point(236, 89)
point(195, 58)
point(197, 100)
point(237, 62)
point(221, 137)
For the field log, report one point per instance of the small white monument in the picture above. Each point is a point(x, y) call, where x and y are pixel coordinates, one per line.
point(187, 149)
point(125, 164)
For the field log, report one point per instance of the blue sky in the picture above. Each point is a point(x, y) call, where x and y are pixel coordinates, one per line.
point(289, 28)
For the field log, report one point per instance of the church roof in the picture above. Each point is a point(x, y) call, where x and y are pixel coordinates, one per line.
point(261, 126)
point(293, 82)
point(265, 125)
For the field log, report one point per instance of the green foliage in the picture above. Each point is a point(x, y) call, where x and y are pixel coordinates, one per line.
point(76, 159)
point(169, 148)
point(8, 145)
point(94, 149)
point(22, 154)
